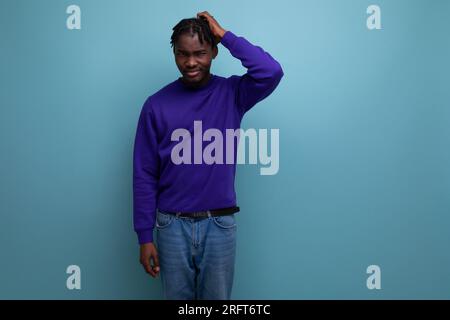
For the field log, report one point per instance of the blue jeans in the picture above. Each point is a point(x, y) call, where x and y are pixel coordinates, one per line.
point(196, 256)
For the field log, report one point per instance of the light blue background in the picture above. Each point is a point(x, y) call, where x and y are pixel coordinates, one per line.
point(364, 119)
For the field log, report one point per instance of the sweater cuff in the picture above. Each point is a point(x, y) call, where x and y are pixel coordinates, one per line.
point(145, 236)
point(228, 38)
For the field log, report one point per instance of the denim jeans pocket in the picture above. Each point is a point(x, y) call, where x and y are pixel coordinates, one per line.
point(226, 222)
point(163, 220)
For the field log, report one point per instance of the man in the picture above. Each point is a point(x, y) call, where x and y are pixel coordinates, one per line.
point(189, 199)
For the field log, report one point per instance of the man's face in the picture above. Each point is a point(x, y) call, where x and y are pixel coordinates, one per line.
point(193, 59)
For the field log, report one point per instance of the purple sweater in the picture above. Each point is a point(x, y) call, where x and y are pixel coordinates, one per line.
point(221, 103)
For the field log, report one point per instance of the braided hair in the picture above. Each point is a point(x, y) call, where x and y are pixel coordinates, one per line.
point(192, 26)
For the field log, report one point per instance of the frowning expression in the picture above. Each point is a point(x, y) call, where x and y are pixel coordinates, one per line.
point(193, 59)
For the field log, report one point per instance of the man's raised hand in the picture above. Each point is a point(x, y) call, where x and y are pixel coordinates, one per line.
point(216, 29)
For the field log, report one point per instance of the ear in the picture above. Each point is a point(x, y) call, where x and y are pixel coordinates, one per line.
point(215, 52)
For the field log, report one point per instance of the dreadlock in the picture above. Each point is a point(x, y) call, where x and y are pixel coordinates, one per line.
point(192, 26)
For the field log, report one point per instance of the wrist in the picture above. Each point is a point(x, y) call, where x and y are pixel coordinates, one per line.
point(221, 33)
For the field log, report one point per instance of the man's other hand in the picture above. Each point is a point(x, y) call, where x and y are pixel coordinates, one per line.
point(149, 259)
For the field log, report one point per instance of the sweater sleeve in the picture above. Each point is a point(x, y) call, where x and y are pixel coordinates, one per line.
point(263, 71)
point(145, 175)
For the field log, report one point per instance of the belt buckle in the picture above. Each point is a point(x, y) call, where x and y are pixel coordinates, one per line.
point(198, 214)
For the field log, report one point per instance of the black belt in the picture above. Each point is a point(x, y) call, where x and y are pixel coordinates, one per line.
point(204, 214)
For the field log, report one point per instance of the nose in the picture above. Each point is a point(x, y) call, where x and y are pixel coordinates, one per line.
point(191, 63)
